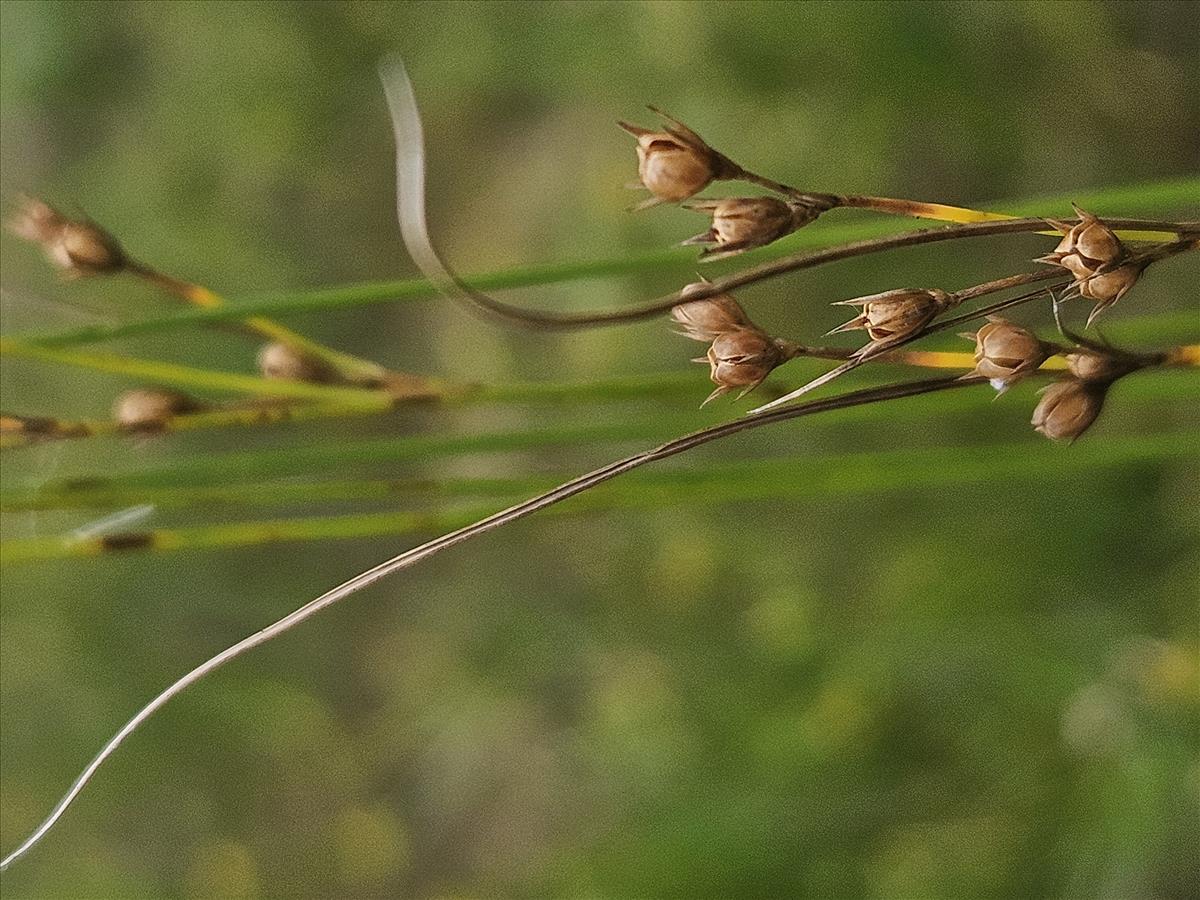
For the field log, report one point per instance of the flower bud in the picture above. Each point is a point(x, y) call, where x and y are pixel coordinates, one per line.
point(149, 409)
point(284, 362)
point(742, 223)
point(1005, 353)
point(895, 315)
point(1068, 408)
point(706, 320)
point(675, 163)
point(77, 246)
point(742, 358)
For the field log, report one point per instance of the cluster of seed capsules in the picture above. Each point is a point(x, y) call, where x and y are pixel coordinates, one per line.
point(675, 164)
point(79, 248)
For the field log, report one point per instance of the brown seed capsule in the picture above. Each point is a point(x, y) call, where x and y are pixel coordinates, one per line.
point(77, 246)
point(1093, 254)
point(705, 320)
point(675, 163)
point(742, 223)
point(1106, 288)
point(1005, 353)
point(1068, 408)
point(895, 315)
point(1095, 366)
point(281, 361)
point(149, 409)
point(742, 358)
point(1086, 247)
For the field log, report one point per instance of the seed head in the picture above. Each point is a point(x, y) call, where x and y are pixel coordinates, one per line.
point(675, 163)
point(742, 358)
point(283, 362)
point(77, 246)
point(1095, 256)
point(1068, 408)
point(742, 223)
point(149, 409)
point(1087, 246)
point(895, 315)
point(705, 320)
point(1095, 366)
point(1106, 288)
point(1005, 353)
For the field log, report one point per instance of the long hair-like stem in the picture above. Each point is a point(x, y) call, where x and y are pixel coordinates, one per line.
point(414, 227)
point(490, 523)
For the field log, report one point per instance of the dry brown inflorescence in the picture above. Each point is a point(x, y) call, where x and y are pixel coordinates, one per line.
point(675, 164)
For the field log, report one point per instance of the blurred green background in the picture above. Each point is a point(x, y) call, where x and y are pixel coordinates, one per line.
point(979, 689)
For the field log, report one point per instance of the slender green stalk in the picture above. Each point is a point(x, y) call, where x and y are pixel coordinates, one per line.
point(1129, 199)
point(668, 386)
point(191, 378)
point(824, 475)
point(21, 431)
point(840, 475)
point(352, 369)
point(258, 466)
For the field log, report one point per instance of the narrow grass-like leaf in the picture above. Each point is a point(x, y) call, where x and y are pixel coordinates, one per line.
point(187, 377)
point(758, 480)
point(1152, 197)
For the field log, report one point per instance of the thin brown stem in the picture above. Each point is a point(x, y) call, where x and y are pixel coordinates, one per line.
point(865, 356)
point(414, 226)
point(1003, 284)
point(490, 523)
point(1059, 278)
point(815, 199)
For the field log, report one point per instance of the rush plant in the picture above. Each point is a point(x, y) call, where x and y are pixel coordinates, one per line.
point(1105, 261)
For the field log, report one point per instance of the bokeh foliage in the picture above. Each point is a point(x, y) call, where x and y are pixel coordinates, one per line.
point(939, 687)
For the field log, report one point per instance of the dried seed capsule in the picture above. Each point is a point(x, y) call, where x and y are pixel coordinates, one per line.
point(705, 320)
point(1094, 255)
point(149, 409)
point(281, 361)
point(742, 223)
point(742, 358)
point(77, 246)
point(1106, 288)
point(675, 163)
point(1095, 366)
point(1005, 353)
point(895, 315)
point(1068, 408)
point(1086, 247)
